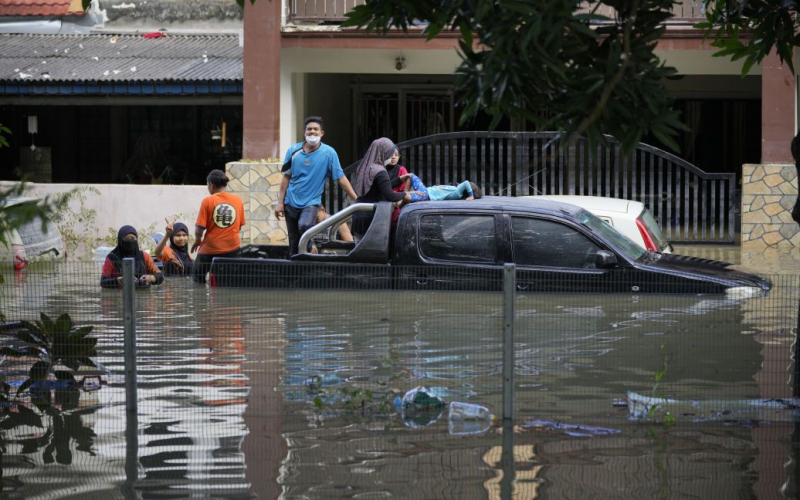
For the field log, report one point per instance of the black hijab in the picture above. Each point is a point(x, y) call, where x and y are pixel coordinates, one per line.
point(127, 249)
point(182, 253)
point(393, 170)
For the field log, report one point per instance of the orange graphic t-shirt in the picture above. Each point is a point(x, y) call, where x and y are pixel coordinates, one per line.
point(222, 216)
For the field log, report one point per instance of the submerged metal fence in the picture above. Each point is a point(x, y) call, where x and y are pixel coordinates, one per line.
point(299, 392)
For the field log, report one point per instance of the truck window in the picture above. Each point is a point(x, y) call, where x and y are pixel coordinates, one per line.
point(463, 238)
point(540, 242)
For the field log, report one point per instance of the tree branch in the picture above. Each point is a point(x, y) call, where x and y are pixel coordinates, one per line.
point(626, 58)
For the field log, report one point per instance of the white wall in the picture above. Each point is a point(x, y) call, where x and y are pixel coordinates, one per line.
point(142, 206)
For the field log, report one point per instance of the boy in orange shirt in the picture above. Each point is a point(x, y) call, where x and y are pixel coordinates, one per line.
point(218, 224)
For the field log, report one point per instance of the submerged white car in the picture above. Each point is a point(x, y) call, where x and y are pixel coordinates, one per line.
point(631, 218)
point(32, 241)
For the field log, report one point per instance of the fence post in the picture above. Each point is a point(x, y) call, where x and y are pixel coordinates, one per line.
point(131, 398)
point(509, 290)
point(129, 319)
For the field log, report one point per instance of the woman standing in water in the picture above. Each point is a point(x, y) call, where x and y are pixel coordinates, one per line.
point(218, 224)
point(175, 257)
point(144, 269)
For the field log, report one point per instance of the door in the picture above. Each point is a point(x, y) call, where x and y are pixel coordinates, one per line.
point(456, 252)
point(555, 257)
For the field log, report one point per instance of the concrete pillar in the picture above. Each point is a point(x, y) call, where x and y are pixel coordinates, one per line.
point(768, 196)
point(778, 111)
point(262, 79)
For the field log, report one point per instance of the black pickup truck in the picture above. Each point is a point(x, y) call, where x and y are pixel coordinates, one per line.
point(462, 245)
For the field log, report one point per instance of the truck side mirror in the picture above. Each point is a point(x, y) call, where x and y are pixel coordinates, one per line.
point(604, 259)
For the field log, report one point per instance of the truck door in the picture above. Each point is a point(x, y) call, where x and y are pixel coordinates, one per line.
point(555, 257)
point(456, 251)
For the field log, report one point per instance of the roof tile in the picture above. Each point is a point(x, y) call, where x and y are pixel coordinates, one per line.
point(105, 58)
point(45, 8)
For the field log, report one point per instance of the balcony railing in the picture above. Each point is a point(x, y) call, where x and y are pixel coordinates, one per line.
point(333, 11)
point(320, 10)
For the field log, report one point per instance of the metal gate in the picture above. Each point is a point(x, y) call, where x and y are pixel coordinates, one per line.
point(690, 205)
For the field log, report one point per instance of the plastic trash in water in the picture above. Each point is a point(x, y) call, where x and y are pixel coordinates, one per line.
point(420, 408)
point(421, 399)
point(574, 430)
point(313, 384)
point(468, 427)
point(467, 419)
point(469, 411)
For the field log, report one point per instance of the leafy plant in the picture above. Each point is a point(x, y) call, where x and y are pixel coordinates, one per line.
point(54, 343)
point(669, 419)
point(3, 132)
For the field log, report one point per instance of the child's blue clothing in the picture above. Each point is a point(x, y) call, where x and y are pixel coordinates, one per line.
point(436, 193)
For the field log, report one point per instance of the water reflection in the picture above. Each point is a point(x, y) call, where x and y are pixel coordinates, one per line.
point(226, 411)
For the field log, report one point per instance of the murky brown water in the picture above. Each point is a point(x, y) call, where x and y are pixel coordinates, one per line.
point(226, 411)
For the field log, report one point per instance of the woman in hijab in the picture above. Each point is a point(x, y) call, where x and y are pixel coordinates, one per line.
point(175, 257)
point(144, 269)
point(373, 184)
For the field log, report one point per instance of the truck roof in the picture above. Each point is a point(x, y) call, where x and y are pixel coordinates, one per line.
point(499, 203)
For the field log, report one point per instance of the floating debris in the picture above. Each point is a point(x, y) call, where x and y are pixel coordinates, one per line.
point(643, 407)
point(96, 58)
point(574, 430)
point(24, 75)
point(133, 69)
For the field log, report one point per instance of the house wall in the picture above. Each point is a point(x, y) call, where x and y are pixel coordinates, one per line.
point(174, 15)
point(94, 216)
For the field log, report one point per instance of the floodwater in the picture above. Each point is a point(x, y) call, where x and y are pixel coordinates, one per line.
point(267, 394)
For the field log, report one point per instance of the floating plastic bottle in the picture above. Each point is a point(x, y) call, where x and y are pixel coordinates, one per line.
point(467, 411)
point(466, 419)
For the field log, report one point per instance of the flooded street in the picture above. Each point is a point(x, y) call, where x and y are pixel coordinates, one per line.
point(269, 393)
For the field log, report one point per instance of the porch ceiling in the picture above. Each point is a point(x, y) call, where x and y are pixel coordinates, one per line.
point(122, 58)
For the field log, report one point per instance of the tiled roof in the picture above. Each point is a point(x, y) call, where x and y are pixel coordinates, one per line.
point(44, 8)
point(123, 58)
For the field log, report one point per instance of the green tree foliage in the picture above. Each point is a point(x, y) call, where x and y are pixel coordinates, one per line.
point(561, 67)
point(751, 29)
point(549, 63)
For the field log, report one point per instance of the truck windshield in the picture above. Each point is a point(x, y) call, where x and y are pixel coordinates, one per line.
point(623, 243)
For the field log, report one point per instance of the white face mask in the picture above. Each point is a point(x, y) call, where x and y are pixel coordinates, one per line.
point(313, 140)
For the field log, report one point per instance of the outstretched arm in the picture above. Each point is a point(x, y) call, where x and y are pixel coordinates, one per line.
point(161, 244)
point(344, 183)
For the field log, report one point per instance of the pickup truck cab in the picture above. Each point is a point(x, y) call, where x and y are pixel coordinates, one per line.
point(462, 245)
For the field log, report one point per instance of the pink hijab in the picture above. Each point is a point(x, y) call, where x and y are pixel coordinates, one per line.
point(374, 162)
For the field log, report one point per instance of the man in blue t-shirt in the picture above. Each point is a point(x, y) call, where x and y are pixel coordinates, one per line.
point(305, 168)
